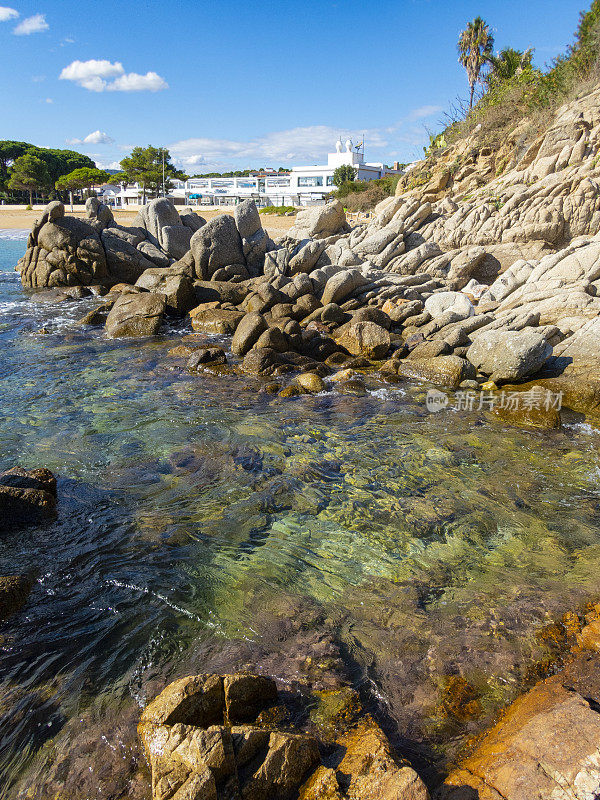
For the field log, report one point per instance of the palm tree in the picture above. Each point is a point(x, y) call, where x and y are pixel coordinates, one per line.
point(507, 63)
point(475, 46)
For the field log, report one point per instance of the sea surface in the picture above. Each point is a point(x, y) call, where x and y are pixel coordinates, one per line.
point(204, 522)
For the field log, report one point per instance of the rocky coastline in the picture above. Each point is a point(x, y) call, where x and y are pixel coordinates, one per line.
point(483, 279)
point(443, 285)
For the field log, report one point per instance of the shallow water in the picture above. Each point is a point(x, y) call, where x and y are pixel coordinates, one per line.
point(197, 512)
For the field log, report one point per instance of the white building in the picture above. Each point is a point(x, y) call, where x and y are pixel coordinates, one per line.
point(316, 182)
point(301, 186)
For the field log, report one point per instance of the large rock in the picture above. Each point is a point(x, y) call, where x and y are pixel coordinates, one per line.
point(192, 220)
point(136, 315)
point(319, 222)
point(509, 355)
point(26, 497)
point(197, 750)
point(215, 320)
point(255, 240)
point(217, 244)
point(342, 284)
point(63, 251)
point(442, 302)
point(220, 291)
point(248, 332)
point(125, 262)
point(546, 746)
point(98, 214)
point(176, 287)
point(164, 226)
point(449, 371)
point(365, 339)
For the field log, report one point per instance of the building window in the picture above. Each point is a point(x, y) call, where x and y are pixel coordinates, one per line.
point(222, 182)
point(278, 182)
point(330, 180)
point(246, 184)
point(311, 180)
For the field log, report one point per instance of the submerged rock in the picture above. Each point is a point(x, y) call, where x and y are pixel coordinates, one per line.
point(14, 591)
point(26, 497)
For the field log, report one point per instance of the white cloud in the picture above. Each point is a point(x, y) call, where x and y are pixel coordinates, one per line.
point(306, 145)
point(38, 78)
point(96, 137)
point(91, 74)
point(49, 100)
point(94, 76)
point(7, 13)
point(35, 24)
point(309, 143)
point(132, 82)
point(107, 164)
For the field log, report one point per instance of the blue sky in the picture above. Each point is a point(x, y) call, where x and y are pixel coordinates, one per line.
point(235, 84)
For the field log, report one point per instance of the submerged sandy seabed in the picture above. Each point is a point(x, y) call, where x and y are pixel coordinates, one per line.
point(18, 217)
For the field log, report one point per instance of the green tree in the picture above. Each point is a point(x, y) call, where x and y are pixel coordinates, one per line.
point(58, 162)
point(79, 179)
point(344, 174)
point(152, 168)
point(507, 64)
point(475, 46)
point(29, 173)
point(9, 152)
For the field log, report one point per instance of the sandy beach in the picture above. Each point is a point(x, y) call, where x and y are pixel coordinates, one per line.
point(17, 217)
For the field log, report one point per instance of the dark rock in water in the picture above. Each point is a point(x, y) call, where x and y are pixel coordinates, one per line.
point(206, 355)
point(97, 316)
point(136, 315)
point(261, 361)
point(26, 496)
point(14, 591)
point(208, 736)
point(248, 458)
point(175, 286)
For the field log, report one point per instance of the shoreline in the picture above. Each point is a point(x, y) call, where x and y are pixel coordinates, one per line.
point(18, 218)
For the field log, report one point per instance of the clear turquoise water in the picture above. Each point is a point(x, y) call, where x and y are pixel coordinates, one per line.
point(197, 511)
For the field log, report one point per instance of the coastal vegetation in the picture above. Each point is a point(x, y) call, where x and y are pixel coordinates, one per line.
point(80, 179)
point(40, 177)
point(279, 210)
point(152, 168)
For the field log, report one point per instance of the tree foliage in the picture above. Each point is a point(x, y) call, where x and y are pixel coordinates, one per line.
point(344, 174)
point(508, 63)
point(475, 46)
point(58, 162)
point(29, 173)
point(145, 166)
point(83, 178)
